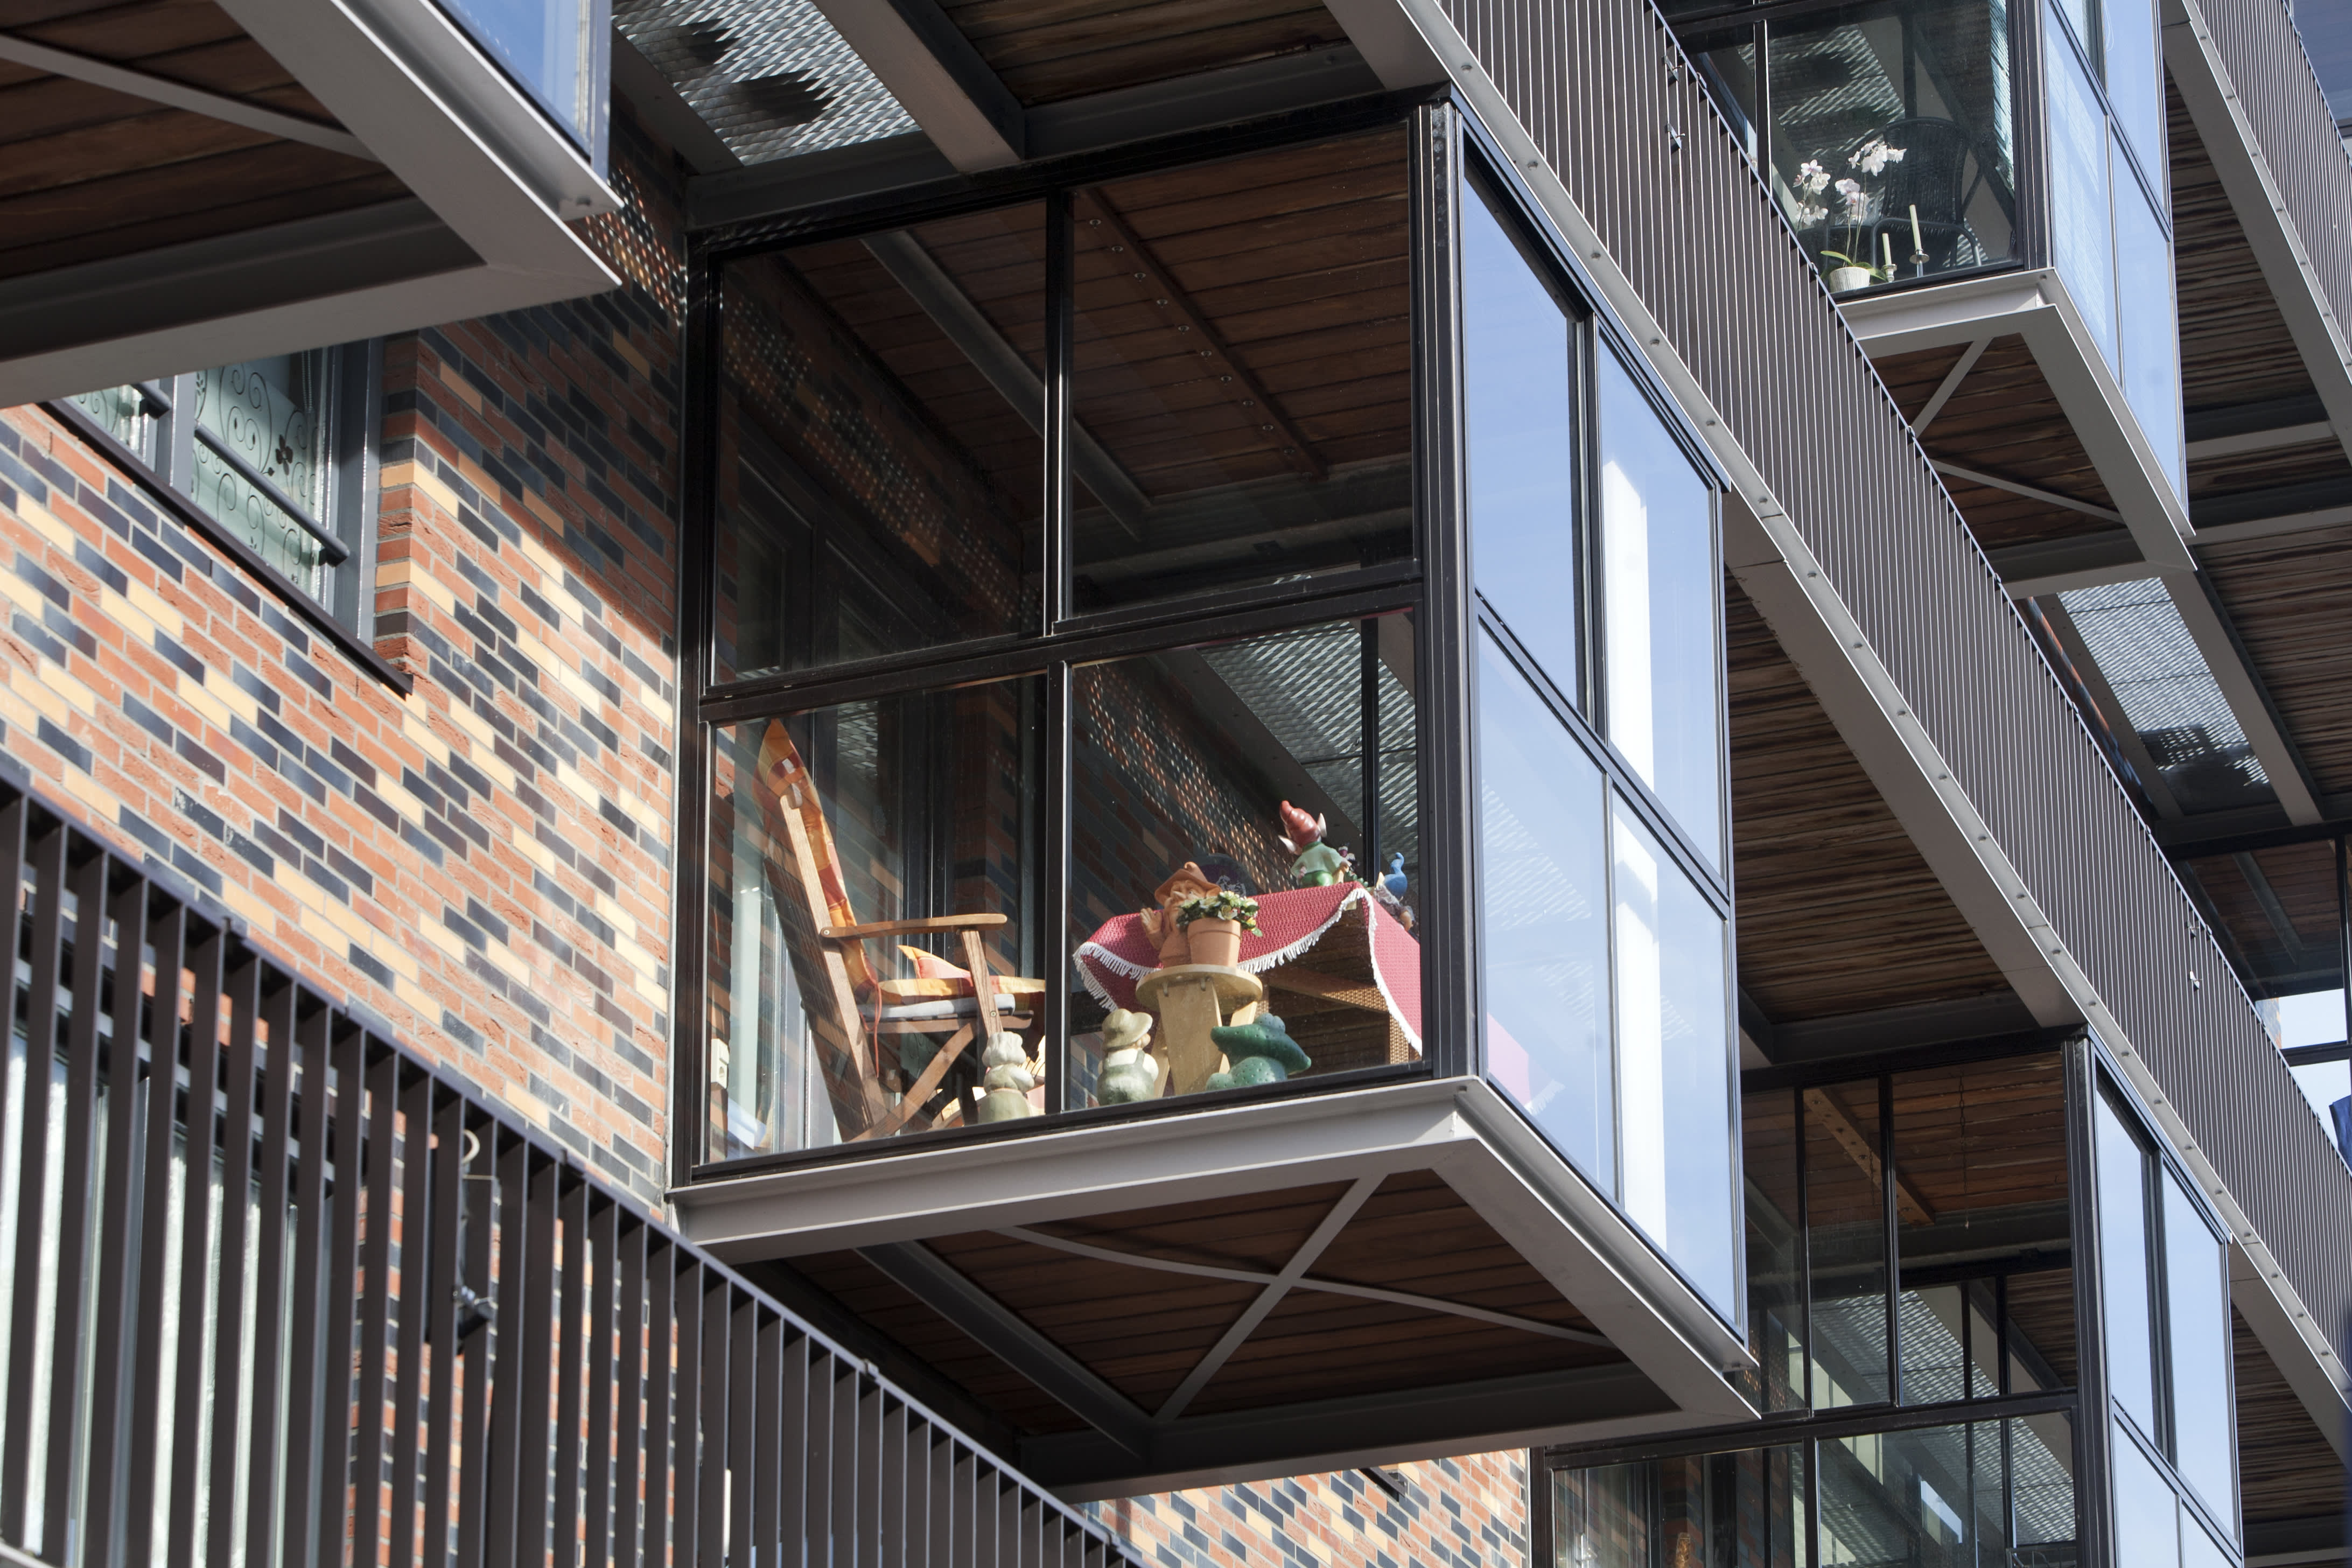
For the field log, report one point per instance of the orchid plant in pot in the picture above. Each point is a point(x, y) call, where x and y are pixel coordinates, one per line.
point(1857, 267)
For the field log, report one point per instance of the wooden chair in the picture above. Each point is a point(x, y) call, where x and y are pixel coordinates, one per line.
point(941, 999)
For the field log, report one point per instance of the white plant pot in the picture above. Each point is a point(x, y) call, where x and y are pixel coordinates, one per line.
point(1846, 279)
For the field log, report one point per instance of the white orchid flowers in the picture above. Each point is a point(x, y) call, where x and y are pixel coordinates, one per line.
point(1873, 156)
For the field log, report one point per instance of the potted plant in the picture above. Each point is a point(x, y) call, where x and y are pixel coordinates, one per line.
point(1857, 267)
point(1212, 924)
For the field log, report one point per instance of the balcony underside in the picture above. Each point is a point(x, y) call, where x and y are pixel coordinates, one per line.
point(190, 185)
point(1258, 1289)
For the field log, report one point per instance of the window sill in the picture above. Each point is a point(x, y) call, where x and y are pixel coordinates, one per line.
point(200, 523)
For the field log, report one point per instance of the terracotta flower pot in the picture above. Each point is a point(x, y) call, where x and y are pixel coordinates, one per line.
point(1215, 942)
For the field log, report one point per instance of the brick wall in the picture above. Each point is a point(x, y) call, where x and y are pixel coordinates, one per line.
point(484, 862)
point(1469, 1512)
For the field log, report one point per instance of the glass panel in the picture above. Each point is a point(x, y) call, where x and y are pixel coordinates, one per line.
point(1243, 402)
point(1519, 355)
point(1892, 133)
point(1542, 887)
point(2197, 1297)
point(1673, 1031)
point(888, 814)
point(2328, 38)
point(786, 85)
point(2147, 1527)
point(2040, 1320)
point(1727, 63)
point(1932, 1334)
point(2135, 82)
point(1767, 1125)
point(1600, 1519)
point(1663, 654)
point(550, 47)
point(1846, 1219)
point(2082, 230)
point(1981, 1189)
point(2151, 337)
point(1931, 1499)
point(1740, 1510)
point(122, 413)
point(2199, 1549)
point(261, 442)
point(881, 479)
point(1231, 778)
point(2123, 1266)
point(2041, 1490)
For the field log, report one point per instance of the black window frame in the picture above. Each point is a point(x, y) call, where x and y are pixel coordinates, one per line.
point(2028, 115)
point(1445, 143)
point(161, 464)
point(2106, 1082)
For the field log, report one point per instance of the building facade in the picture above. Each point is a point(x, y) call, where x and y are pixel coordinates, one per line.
point(1371, 782)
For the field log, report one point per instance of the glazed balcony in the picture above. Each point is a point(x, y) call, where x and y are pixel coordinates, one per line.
point(1279, 534)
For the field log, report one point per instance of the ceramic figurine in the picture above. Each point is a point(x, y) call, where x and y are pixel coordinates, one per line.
point(1187, 881)
point(1007, 1080)
point(1130, 1071)
point(1262, 1052)
point(1395, 881)
point(1318, 865)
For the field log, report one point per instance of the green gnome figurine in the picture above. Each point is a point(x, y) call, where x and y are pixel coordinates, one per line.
point(1130, 1071)
point(1007, 1080)
point(1318, 865)
point(1262, 1052)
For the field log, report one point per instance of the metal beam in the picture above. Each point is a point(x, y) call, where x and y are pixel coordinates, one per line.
point(1593, 1404)
point(2253, 441)
point(2032, 492)
point(1325, 1232)
point(2258, 197)
point(1009, 1336)
point(2081, 561)
point(967, 327)
point(2037, 306)
point(1950, 384)
point(173, 94)
point(2250, 701)
point(1305, 1282)
point(933, 69)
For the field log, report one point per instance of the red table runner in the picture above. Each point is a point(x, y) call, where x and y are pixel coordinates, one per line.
point(1290, 923)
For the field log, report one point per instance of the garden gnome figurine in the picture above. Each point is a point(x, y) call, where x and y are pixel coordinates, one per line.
point(1262, 1052)
point(1130, 1072)
point(1186, 881)
point(1318, 865)
point(1007, 1080)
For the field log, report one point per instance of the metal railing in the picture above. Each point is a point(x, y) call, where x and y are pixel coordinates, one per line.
point(274, 1290)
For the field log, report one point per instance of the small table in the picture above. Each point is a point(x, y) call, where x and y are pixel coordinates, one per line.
point(1192, 999)
point(1341, 971)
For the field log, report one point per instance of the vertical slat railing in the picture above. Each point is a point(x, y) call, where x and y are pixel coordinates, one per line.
point(287, 1295)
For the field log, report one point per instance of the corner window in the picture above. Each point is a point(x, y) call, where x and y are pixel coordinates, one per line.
point(277, 452)
point(1602, 914)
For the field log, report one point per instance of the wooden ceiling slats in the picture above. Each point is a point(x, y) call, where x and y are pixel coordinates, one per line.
point(93, 153)
point(2042, 1306)
point(1838, 913)
point(139, 231)
point(2286, 1467)
point(2234, 343)
point(2287, 597)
